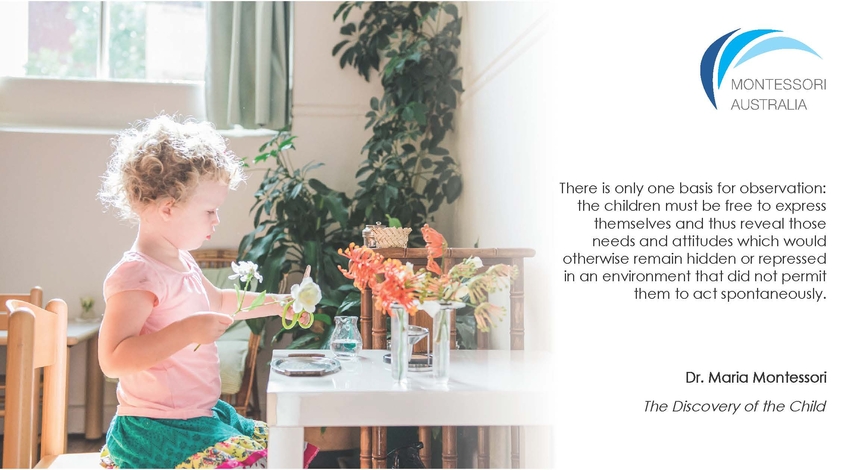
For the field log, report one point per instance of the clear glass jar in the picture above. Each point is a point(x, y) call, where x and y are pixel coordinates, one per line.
point(441, 336)
point(399, 342)
point(369, 237)
point(346, 342)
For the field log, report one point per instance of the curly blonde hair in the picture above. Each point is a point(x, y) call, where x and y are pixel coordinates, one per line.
point(161, 157)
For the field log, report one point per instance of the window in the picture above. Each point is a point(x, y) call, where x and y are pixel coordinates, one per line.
point(152, 41)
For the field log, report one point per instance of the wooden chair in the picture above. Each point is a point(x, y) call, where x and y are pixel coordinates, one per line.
point(247, 400)
point(36, 340)
point(373, 440)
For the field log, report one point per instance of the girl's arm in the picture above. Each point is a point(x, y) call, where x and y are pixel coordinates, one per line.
point(224, 301)
point(122, 351)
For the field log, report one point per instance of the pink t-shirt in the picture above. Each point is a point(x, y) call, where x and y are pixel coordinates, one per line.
point(187, 384)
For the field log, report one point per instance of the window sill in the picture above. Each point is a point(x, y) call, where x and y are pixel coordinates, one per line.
point(92, 106)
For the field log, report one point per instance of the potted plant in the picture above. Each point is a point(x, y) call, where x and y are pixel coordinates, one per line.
point(407, 172)
point(88, 315)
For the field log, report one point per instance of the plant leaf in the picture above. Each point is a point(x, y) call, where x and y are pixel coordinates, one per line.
point(338, 47)
point(393, 222)
point(258, 301)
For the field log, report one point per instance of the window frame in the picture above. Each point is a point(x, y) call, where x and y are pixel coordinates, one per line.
point(102, 60)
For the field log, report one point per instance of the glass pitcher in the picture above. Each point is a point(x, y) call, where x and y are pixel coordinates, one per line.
point(346, 341)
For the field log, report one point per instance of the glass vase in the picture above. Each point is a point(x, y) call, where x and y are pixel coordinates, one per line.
point(399, 351)
point(441, 337)
point(346, 341)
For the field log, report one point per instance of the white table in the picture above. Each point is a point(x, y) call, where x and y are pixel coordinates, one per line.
point(486, 388)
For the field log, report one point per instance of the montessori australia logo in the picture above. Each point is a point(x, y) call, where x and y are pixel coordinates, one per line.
point(774, 93)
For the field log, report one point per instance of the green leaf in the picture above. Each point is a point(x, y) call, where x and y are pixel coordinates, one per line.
point(320, 187)
point(313, 166)
point(339, 10)
point(419, 114)
point(296, 190)
point(438, 151)
point(393, 222)
point(260, 248)
point(348, 29)
point(338, 47)
point(408, 114)
point(346, 58)
point(304, 341)
point(450, 9)
point(257, 325)
point(384, 202)
point(351, 302)
point(374, 103)
point(258, 301)
point(452, 188)
point(338, 211)
point(323, 318)
point(272, 268)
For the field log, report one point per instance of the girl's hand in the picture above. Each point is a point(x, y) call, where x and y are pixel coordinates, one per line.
point(304, 318)
point(206, 327)
point(289, 314)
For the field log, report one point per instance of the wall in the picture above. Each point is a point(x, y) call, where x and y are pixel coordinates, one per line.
point(503, 140)
point(501, 135)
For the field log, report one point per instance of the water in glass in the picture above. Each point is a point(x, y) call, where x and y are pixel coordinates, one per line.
point(346, 342)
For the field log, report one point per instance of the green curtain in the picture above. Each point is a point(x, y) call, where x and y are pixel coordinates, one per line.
point(249, 63)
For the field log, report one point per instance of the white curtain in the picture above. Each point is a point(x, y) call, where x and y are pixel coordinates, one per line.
point(248, 74)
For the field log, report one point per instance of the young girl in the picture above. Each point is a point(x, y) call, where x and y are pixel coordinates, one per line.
point(171, 178)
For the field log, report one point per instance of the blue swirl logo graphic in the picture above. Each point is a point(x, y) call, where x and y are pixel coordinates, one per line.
point(735, 46)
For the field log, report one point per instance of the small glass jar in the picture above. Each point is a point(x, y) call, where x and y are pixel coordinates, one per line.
point(369, 237)
point(346, 341)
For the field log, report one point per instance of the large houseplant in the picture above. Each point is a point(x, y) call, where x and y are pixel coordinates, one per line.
point(407, 171)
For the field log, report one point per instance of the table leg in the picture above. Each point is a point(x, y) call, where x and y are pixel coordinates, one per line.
point(515, 446)
point(286, 447)
point(94, 392)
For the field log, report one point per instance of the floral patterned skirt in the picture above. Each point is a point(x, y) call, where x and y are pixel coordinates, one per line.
point(224, 440)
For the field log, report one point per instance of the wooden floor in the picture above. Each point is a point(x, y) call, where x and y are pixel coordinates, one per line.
point(77, 444)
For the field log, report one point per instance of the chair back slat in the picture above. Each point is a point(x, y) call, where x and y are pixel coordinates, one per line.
point(36, 339)
point(214, 258)
point(34, 297)
point(18, 422)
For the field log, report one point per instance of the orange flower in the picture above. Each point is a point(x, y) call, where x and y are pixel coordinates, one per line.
point(485, 313)
point(435, 243)
point(363, 267)
point(392, 282)
point(396, 287)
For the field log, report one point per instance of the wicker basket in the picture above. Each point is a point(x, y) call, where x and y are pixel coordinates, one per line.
point(390, 237)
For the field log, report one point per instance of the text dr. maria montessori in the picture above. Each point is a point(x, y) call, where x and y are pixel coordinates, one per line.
point(755, 377)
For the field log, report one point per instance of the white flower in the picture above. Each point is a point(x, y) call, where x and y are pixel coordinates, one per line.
point(408, 267)
point(245, 269)
point(461, 292)
point(476, 261)
point(431, 307)
point(306, 295)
